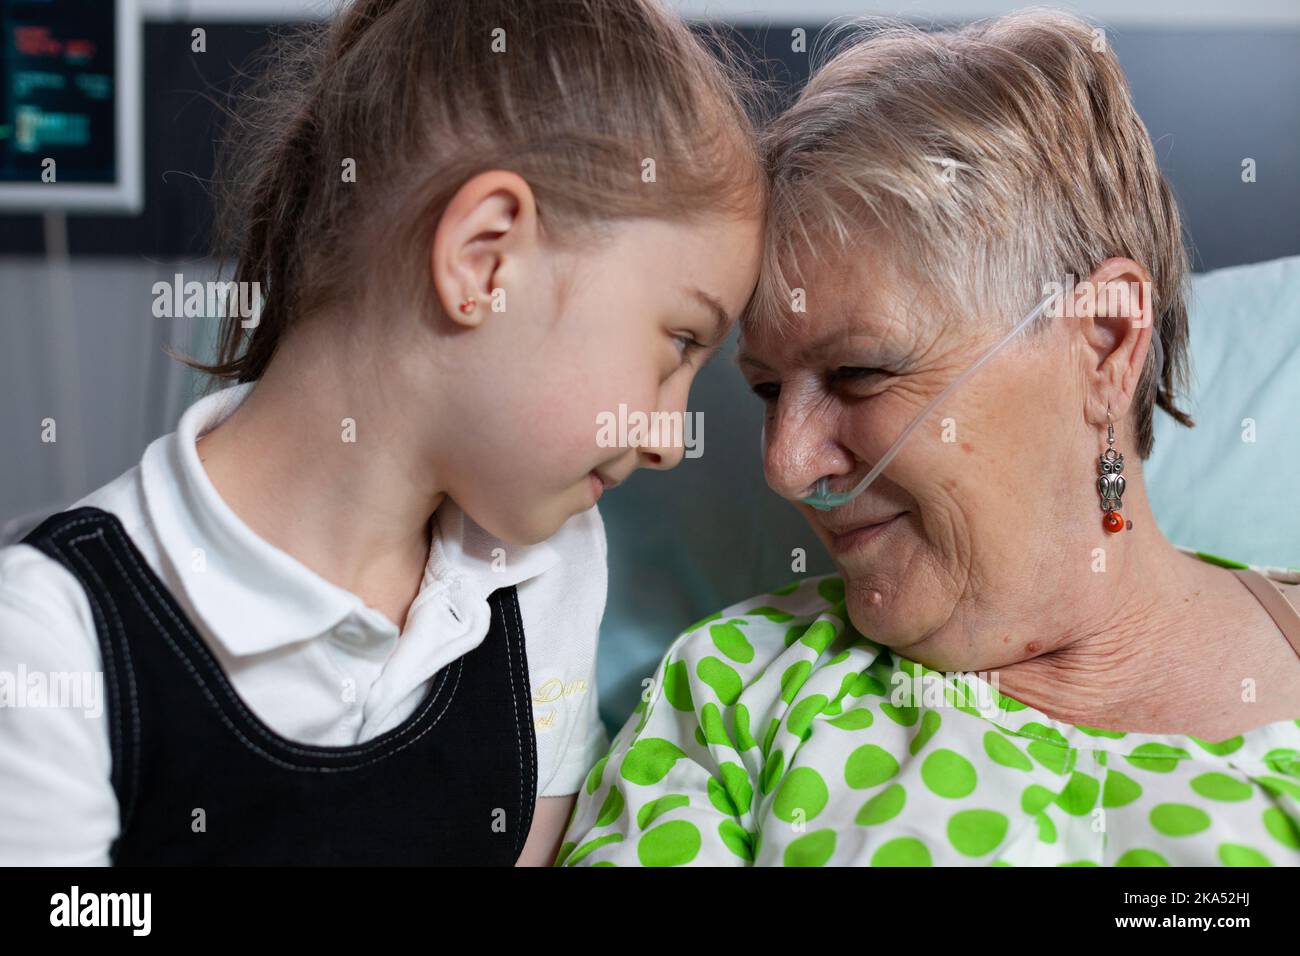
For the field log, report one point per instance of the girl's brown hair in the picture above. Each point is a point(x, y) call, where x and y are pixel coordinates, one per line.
point(421, 96)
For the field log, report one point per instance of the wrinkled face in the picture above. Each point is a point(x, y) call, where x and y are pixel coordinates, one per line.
point(968, 511)
point(628, 323)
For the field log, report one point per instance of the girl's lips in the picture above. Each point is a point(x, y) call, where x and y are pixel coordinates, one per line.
point(858, 537)
point(599, 483)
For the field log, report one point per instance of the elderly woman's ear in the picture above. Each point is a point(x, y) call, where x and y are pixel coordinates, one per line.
point(1113, 310)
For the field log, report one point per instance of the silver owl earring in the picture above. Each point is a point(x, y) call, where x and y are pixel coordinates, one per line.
point(1110, 482)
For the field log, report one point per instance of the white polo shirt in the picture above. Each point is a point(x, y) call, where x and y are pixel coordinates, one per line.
point(309, 658)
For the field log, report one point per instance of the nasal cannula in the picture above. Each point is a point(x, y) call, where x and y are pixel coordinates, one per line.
point(823, 499)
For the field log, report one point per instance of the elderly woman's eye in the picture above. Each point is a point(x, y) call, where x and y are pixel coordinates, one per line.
point(853, 374)
point(767, 391)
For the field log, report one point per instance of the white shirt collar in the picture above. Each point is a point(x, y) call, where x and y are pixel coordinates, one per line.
point(254, 597)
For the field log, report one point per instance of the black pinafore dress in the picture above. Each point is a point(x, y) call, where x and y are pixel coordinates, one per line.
point(200, 779)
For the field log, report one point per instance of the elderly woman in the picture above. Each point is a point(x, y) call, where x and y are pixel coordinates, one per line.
point(1013, 665)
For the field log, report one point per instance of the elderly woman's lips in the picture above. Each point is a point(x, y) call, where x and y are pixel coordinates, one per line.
point(862, 534)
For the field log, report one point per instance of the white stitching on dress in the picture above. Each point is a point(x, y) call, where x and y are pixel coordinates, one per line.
point(128, 812)
point(532, 773)
point(277, 740)
point(514, 701)
point(186, 632)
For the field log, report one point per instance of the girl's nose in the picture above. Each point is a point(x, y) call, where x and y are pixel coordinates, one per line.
point(662, 457)
point(667, 440)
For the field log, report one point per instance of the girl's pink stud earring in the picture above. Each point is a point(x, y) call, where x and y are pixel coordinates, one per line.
point(467, 306)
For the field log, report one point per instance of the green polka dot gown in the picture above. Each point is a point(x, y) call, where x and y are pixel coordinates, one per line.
point(776, 735)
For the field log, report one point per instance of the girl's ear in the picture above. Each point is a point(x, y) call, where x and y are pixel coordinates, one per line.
point(492, 215)
point(1113, 309)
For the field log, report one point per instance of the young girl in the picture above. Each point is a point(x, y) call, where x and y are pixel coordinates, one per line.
point(347, 612)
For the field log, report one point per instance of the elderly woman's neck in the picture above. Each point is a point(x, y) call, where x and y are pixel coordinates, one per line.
point(1108, 649)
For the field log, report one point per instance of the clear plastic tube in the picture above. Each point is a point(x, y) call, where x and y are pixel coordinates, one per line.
point(823, 499)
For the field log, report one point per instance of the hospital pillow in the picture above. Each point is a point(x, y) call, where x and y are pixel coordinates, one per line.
point(686, 543)
point(1229, 485)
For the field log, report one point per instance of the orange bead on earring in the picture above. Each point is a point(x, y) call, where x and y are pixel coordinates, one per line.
point(467, 306)
point(1110, 481)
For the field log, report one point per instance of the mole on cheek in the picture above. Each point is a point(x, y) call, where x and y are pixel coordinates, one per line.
point(1033, 647)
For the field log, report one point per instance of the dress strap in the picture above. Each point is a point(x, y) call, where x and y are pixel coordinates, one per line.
point(1283, 613)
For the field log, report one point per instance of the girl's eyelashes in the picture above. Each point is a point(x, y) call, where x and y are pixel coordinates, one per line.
point(688, 349)
point(687, 342)
point(688, 346)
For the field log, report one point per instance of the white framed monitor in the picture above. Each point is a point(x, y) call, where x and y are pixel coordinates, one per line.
point(70, 106)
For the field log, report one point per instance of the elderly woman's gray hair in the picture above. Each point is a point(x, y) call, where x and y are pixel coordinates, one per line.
point(998, 159)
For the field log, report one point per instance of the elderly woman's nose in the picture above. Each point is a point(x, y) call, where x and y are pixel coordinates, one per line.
point(798, 449)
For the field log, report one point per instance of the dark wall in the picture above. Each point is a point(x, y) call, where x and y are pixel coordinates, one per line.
point(1209, 97)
